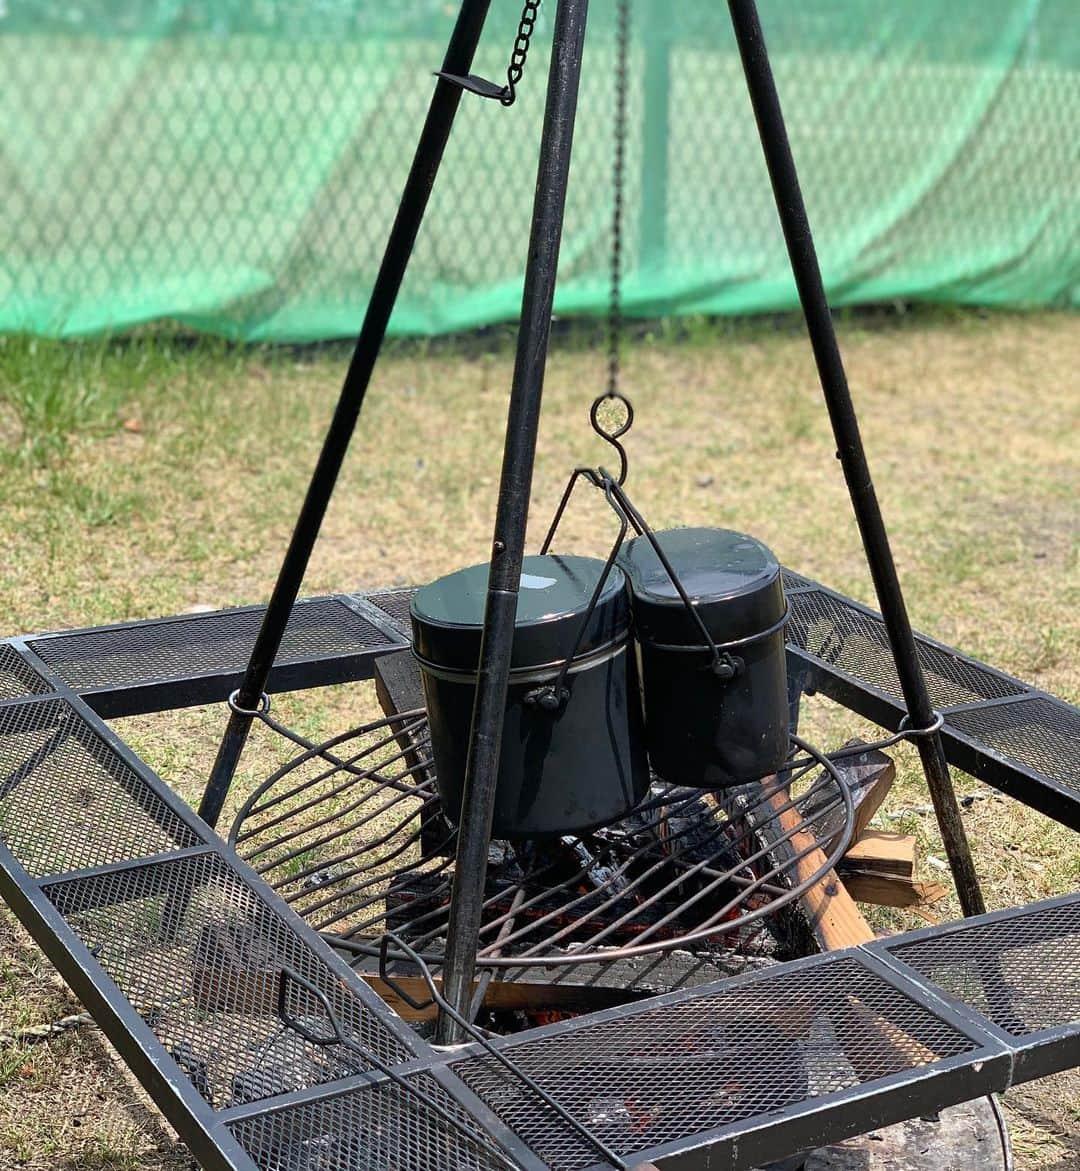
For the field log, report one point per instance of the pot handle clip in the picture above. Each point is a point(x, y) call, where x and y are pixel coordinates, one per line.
point(726, 666)
point(551, 698)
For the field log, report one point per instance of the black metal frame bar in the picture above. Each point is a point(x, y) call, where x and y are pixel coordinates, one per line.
point(1046, 794)
point(515, 485)
point(190, 689)
point(158, 1073)
point(212, 844)
point(418, 185)
point(828, 1118)
point(1037, 790)
point(804, 264)
point(1036, 1054)
point(204, 1129)
point(804, 1127)
point(996, 1061)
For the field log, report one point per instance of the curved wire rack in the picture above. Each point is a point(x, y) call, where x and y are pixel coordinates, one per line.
point(350, 832)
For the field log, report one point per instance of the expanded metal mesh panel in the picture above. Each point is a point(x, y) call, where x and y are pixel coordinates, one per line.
point(67, 801)
point(1041, 734)
point(375, 1128)
point(1021, 971)
point(200, 956)
point(203, 643)
point(712, 1060)
point(795, 581)
point(17, 677)
point(858, 644)
point(395, 604)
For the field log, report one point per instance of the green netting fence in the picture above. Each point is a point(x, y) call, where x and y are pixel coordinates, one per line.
point(235, 164)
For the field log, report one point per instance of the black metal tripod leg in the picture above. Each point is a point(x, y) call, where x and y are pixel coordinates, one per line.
point(804, 264)
point(410, 213)
point(508, 545)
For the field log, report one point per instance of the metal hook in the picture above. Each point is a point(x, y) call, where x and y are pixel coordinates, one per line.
point(613, 436)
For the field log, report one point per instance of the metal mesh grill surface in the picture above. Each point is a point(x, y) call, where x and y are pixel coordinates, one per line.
point(858, 644)
point(199, 955)
point(67, 801)
point(361, 847)
point(17, 677)
point(795, 581)
point(713, 1060)
point(203, 643)
point(395, 603)
point(1020, 971)
point(1041, 734)
point(374, 1128)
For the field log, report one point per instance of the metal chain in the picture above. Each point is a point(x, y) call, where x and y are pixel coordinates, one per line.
point(520, 52)
point(612, 432)
point(618, 182)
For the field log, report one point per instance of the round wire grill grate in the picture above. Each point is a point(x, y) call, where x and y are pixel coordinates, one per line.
point(350, 833)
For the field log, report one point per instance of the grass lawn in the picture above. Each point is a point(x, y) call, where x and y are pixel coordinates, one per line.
point(151, 477)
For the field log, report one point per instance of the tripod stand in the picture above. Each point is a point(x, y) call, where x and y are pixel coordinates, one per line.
point(507, 549)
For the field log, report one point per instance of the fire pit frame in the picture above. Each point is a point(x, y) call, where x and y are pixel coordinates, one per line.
point(32, 690)
point(105, 665)
point(992, 1058)
point(978, 1055)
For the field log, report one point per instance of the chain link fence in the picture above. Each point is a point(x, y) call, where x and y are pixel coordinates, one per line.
point(235, 166)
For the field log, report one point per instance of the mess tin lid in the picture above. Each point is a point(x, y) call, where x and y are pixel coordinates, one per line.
point(448, 615)
point(733, 580)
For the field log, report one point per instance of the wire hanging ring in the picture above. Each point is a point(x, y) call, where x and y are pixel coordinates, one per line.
point(614, 434)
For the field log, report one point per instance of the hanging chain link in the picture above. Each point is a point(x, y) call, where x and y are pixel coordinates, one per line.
point(520, 52)
point(618, 182)
point(608, 430)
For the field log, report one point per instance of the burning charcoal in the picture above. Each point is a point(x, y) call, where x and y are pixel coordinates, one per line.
point(600, 875)
point(609, 1119)
point(503, 862)
point(692, 828)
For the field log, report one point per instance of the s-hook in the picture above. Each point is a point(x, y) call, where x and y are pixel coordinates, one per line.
point(613, 432)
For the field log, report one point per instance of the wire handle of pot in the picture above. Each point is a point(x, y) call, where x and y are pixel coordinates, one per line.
point(409, 955)
point(338, 1036)
point(552, 696)
point(721, 663)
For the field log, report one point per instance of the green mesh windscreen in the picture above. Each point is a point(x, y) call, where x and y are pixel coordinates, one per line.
point(235, 164)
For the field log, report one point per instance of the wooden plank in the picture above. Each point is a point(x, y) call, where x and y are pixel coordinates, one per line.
point(551, 988)
point(881, 852)
point(869, 776)
point(834, 918)
point(398, 688)
point(885, 890)
point(506, 995)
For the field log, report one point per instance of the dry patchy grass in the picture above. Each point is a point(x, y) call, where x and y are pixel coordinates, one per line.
point(971, 422)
